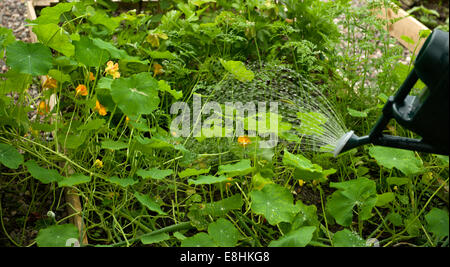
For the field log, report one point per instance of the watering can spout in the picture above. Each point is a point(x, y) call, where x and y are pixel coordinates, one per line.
point(350, 141)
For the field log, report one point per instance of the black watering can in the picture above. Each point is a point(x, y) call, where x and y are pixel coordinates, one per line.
point(426, 115)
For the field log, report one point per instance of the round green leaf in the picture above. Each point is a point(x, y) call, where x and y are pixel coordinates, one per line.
point(136, 95)
point(275, 203)
point(347, 238)
point(298, 238)
point(224, 233)
point(199, 240)
point(45, 176)
point(30, 58)
point(437, 220)
point(89, 54)
point(57, 235)
point(10, 157)
point(55, 37)
point(403, 160)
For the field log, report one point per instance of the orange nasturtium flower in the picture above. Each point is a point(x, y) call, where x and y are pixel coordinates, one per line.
point(228, 184)
point(157, 69)
point(91, 76)
point(112, 69)
point(43, 108)
point(49, 83)
point(100, 108)
point(81, 90)
point(244, 140)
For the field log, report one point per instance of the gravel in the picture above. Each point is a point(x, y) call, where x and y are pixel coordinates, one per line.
point(12, 15)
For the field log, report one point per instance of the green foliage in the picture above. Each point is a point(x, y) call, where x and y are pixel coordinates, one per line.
point(403, 160)
point(359, 193)
point(57, 235)
point(141, 183)
point(10, 157)
point(140, 89)
point(34, 59)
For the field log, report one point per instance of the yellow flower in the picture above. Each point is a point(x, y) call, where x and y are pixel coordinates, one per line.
point(395, 188)
point(91, 76)
point(49, 83)
point(157, 69)
point(98, 164)
point(43, 108)
point(101, 109)
point(244, 140)
point(301, 183)
point(81, 90)
point(127, 119)
point(112, 69)
point(228, 185)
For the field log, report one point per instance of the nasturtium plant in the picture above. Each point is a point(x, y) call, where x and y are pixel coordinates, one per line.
point(347, 238)
point(193, 172)
point(224, 233)
point(141, 90)
point(241, 168)
point(403, 160)
point(297, 238)
point(148, 202)
point(57, 235)
point(87, 53)
point(44, 175)
point(207, 179)
point(73, 180)
point(305, 169)
point(275, 203)
point(360, 193)
point(222, 207)
point(152, 239)
point(122, 182)
point(55, 37)
point(221, 233)
point(53, 14)
point(10, 157)
point(154, 173)
point(438, 224)
point(29, 58)
point(114, 145)
point(238, 69)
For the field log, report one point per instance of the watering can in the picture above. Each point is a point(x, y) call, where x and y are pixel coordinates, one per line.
point(426, 114)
